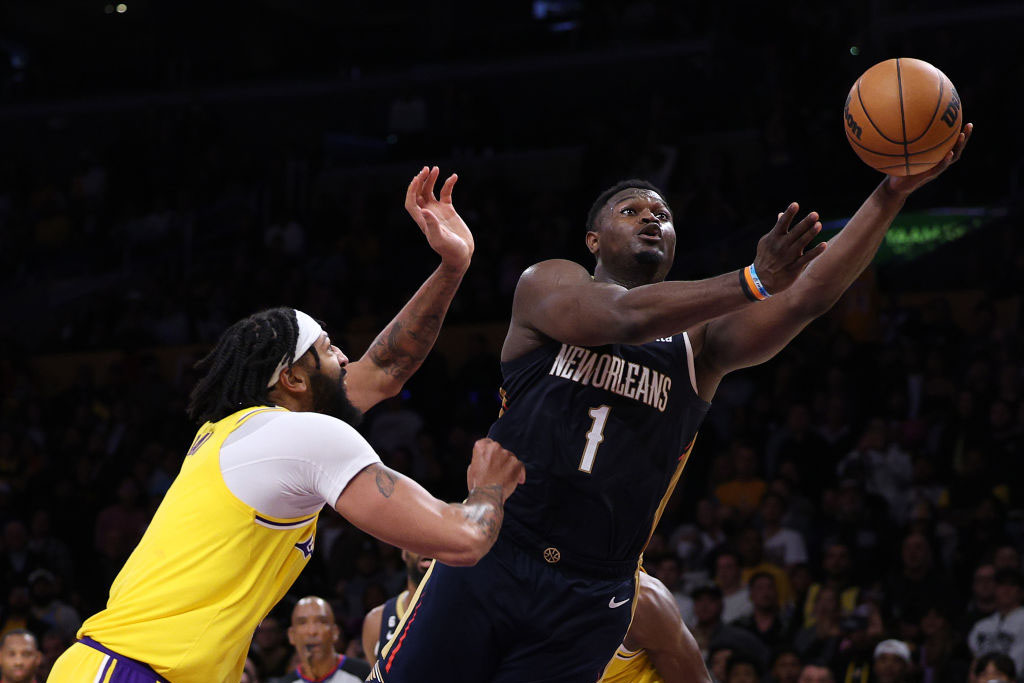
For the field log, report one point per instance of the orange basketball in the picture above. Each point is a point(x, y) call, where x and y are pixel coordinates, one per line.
point(902, 116)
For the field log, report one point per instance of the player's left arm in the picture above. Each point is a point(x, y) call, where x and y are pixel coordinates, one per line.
point(400, 348)
point(756, 333)
point(371, 631)
point(658, 628)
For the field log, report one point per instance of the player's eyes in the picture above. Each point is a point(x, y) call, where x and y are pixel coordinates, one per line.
point(627, 212)
point(662, 215)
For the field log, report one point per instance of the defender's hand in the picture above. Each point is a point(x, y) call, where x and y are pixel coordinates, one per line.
point(904, 185)
point(780, 254)
point(492, 465)
point(446, 232)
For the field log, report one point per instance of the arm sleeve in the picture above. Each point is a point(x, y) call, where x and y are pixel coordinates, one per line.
point(287, 465)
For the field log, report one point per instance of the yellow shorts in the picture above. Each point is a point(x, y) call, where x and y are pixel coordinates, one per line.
point(83, 663)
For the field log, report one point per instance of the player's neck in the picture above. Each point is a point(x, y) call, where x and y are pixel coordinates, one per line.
point(629, 280)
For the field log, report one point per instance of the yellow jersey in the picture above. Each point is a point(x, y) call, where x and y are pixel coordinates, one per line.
point(206, 572)
point(630, 667)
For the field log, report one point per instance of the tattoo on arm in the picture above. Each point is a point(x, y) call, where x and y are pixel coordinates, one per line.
point(401, 347)
point(385, 480)
point(485, 509)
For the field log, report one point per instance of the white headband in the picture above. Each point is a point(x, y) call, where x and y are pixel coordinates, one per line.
point(309, 332)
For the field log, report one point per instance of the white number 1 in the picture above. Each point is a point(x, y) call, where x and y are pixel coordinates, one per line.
point(594, 437)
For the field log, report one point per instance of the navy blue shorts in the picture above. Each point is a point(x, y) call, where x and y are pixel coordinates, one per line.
point(513, 618)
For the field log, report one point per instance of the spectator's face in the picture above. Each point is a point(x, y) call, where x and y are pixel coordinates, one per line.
point(916, 553)
point(750, 546)
point(991, 673)
point(763, 593)
point(786, 668)
point(984, 585)
point(815, 674)
point(889, 668)
point(772, 510)
point(742, 673)
point(1006, 557)
point(1007, 596)
point(836, 562)
point(727, 571)
point(667, 571)
point(717, 664)
point(313, 630)
point(708, 608)
point(746, 464)
point(19, 659)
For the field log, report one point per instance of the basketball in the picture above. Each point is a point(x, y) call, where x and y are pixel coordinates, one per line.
point(902, 116)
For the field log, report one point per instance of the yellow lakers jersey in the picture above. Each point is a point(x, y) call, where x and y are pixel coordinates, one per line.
point(630, 667)
point(207, 570)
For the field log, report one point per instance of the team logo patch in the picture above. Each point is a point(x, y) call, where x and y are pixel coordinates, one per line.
point(306, 547)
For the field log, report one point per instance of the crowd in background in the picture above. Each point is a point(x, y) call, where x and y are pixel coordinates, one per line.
point(857, 489)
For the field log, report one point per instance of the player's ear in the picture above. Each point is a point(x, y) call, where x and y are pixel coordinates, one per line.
point(291, 636)
point(294, 379)
point(593, 240)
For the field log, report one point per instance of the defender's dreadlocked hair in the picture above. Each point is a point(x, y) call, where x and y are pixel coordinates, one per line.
point(236, 372)
point(603, 198)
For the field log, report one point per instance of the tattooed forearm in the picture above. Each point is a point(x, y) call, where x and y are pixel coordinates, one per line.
point(385, 480)
point(401, 347)
point(484, 508)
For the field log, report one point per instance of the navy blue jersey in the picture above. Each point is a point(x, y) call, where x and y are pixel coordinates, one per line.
point(604, 433)
point(389, 619)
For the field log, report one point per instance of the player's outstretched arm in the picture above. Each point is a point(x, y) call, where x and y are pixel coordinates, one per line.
point(397, 510)
point(757, 333)
point(559, 299)
point(400, 348)
point(658, 628)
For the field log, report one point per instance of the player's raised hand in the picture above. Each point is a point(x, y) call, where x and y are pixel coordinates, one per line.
point(780, 254)
point(906, 184)
point(446, 232)
point(492, 465)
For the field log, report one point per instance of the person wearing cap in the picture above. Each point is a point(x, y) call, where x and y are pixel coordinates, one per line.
point(891, 661)
point(1003, 631)
point(238, 524)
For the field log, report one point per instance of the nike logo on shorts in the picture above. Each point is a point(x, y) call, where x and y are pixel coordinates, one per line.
point(613, 603)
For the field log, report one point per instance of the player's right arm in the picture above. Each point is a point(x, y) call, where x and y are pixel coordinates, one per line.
point(371, 631)
point(658, 628)
point(398, 511)
point(559, 300)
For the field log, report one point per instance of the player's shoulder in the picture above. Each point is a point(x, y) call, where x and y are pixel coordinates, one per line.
point(312, 427)
point(552, 271)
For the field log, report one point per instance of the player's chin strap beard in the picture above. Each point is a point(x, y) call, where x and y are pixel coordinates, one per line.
point(309, 332)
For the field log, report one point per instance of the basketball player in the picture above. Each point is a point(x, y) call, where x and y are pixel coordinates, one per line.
point(658, 648)
point(606, 378)
point(238, 523)
point(313, 633)
point(380, 622)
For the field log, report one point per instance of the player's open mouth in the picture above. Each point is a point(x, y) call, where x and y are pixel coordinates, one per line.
point(651, 233)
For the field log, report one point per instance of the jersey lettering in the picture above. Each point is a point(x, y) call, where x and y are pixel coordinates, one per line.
point(611, 373)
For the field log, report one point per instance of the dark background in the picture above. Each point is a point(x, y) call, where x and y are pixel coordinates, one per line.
point(170, 168)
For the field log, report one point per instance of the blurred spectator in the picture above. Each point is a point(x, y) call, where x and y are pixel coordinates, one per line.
point(18, 558)
point(694, 543)
point(815, 673)
point(750, 547)
point(1003, 631)
point(917, 583)
point(766, 621)
point(119, 526)
point(741, 669)
point(886, 467)
point(712, 634)
point(744, 491)
point(735, 594)
point(19, 657)
point(820, 642)
point(270, 648)
point(836, 565)
point(47, 606)
point(862, 630)
point(942, 656)
point(995, 667)
point(798, 443)
point(892, 662)
point(784, 547)
point(17, 612)
point(250, 674)
point(666, 569)
point(785, 667)
point(983, 596)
